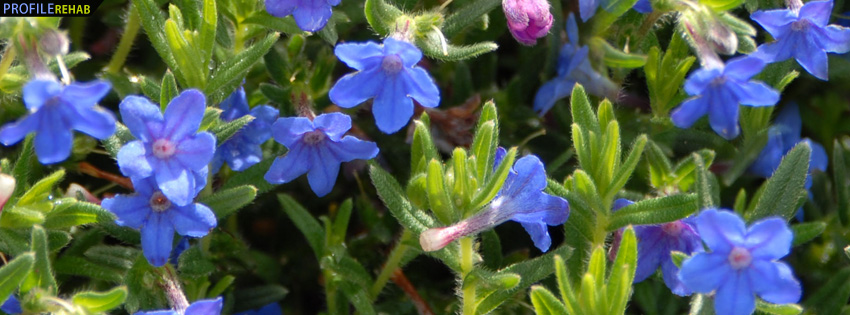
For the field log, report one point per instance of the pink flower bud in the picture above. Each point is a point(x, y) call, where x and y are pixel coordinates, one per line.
point(7, 186)
point(528, 20)
point(75, 190)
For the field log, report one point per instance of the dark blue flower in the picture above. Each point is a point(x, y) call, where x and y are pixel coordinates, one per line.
point(182, 246)
point(317, 148)
point(643, 6)
point(200, 307)
point(742, 263)
point(573, 67)
point(54, 111)
point(243, 150)
point(12, 306)
point(310, 15)
point(718, 91)
point(271, 309)
point(389, 74)
point(157, 218)
point(521, 199)
point(168, 148)
point(655, 242)
point(804, 35)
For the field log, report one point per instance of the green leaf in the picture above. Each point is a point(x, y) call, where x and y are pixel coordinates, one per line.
point(582, 112)
point(655, 211)
point(545, 302)
point(783, 190)
point(186, 56)
point(234, 69)
point(381, 16)
point(25, 168)
point(564, 287)
point(78, 266)
point(435, 45)
point(624, 172)
point(422, 150)
point(121, 136)
point(42, 274)
point(358, 296)
point(841, 177)
point(143, 287)
point(14, 273)
point(96, 302)
point(41, 189)
point(438, 195)
point(154, 24)
point(224, 131)
point(492, 187)
point(207, 32)
point(194, 263)
point(704, 192)
point(168, 90)
point(622, 273)
point(616, 58)
point(306, 223)
point(257, 297)
point(467, 15)
point(483, 149)
point(784, 309)
point(805, 232)
point(68, 213)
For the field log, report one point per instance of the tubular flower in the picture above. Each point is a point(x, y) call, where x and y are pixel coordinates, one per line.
point(150, 211)
point(573, 67)
point(54, 111)
point(387, 73)
point(742, 262)
point(803, 34)
point(243, 150)
point(521, 199)
point(528, 20)
point(317, 148)
point(717, 92)
point(310, 15)
point(200, 307)
point(168, 148)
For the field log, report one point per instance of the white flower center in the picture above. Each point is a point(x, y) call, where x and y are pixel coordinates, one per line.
point(740, 258)
point(391, 64)
point(673, 228)
point(163, 148)
point(159, 202)
point(314, 137)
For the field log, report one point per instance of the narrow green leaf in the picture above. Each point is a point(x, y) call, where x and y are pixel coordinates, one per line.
point(545, 302)
point(358, 296)
point(154, 24)
point(623, 173)
point(492, 187)
point(597, 267)
point(805, 232)
point(26, 168)
point(194, 263)
point(655, 211)
point(14, 273)
point(782, 190)
point(622, 273)
point(438, 196)
point(150, 88)
point(41, 189)
point(422, 150)
point(483, 149)
point(207, 32)
point(616, 58)
point(226, 201)
point(703, 186)
point(186, 56)
point(306, 223)
point(224, 131)
point(776, 309)
point(168, 90)
point(97, 302)
point(435, 45)
point(564, 287)
point(840, 176)
point(42, 273)
point(235, 68)
point(582, 111)
point(678, 257)
point(467, 15)
point(68, 213)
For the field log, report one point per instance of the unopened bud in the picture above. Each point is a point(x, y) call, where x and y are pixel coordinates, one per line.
point(54, 42)
point(528, 20)
point(437, 238)
point(7, 186)
point(722, 39)
point(79, 192)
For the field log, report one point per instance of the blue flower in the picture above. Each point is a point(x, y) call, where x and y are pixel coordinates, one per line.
point(243, 150)
point(168, 148)
point(643, 6)
point(182, 246)
point(157, 218)
point(388, 73)
point(310, 15)
point(573, 67)
point(12, 306)
point(804, 35)
point(742, 262)
point(718, 91)
point(54, 111)
point(317, 148)
point(200, 307)
point(521, 199)
point(655, 242)
point(271, 309)
point(587, 8)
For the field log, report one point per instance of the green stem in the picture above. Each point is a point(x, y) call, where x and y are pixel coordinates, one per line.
point(466, 263)
point(330, 292)
point(391, 265)
point(126, 43)
point(6, 62)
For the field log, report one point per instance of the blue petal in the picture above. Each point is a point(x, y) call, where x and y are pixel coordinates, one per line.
point(53, 140)
point(421, 87)
point(239, 156)
point(776, 22)
point(769, 157)
point(182, 246)
point(11, 306)
point(157, 237)
point(322, 176)
point(817, 12)
point(698, 81)
point(288, 130)
point(550, 93)
point(131, 211)
point(392, 108)
point(142, 117)
point(133, 161)
point(652, 248)
point(530, 177)
point(671, 278)
point(774, 282)
point(205, 307)
point(755, 93)
point(690, 111)
point(538, 207)
point(195, 152)
point(350, 148)
point(720, 230)
point(360, 56)
point(819, 160)
point(769, 239)
point(96, 122)
point(620, 203)
point(777, 51)
point(355, 88)
point(705, 272)
point(280, 8)
point(572, 29)
point(813, 59)
point(194, 220)
point(578, 60)
point(643, 6)
point(837, 39)
point(539, 233)
point(587, 8)
point(334, 125)
point(410, 55)
point(735, 296)
point(176, 182)
point(723, 113)
point(85, 95)
point(234, 106)
point(743, 68)
point(312, 16)
point(37, 92)
point(259, 130)
point(184, 114)
point(789, 125)
point(295, 163)
point(17, 131)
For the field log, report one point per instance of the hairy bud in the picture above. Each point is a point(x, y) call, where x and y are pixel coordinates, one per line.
point(528, 20)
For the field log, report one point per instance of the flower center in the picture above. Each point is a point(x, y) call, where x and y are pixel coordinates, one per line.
point(391, 64)
point(163, 148)
point(314, 137)
point(672, 228)
point(159, 202)
point(800, 25)
point(740, 258)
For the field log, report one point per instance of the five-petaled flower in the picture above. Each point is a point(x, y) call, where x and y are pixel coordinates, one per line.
point(168, 148)
point(521, 199)
point(310, 15)
point(573, 67)
point(742, 262)
point(317, 148)
point(200, 307)
point(243, 150)
point(56, 110)
point(11, 306)
point(388, 73)
point(803, 34)
point(717, 91)
point(528, 20)
point(157, 218)
point(655, 242)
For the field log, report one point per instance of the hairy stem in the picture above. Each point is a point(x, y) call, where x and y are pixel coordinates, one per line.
point(126, 43)
point(391, 265)
point(466, 256)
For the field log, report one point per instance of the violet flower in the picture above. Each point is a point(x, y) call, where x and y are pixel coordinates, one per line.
point(528, 20)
